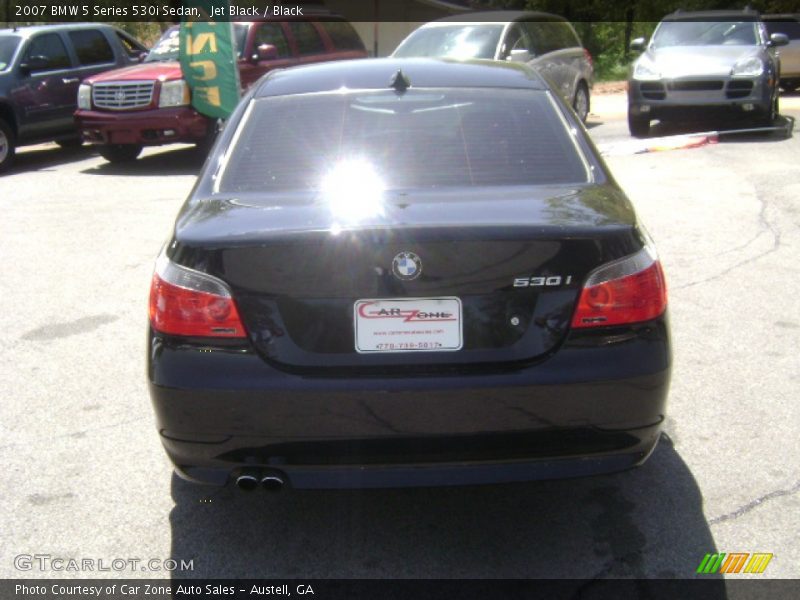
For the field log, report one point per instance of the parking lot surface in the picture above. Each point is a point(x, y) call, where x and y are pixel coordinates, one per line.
point(84, 475)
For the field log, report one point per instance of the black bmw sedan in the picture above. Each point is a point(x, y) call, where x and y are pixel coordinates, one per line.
point(406, 272)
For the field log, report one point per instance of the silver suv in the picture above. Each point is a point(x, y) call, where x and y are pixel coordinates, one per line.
point(548, 43)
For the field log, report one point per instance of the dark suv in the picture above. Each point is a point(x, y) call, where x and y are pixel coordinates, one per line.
point(41, 68)
point(124, 110)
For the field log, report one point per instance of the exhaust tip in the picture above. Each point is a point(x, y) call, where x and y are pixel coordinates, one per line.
point(247, 481)
point(273, 482)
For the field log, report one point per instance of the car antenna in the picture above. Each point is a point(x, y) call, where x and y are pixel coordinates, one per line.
point(400, 82)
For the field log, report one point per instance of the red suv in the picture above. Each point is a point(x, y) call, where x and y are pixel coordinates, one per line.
point(149, 104)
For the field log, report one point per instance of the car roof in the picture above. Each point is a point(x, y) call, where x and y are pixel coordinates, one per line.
point(28, 30)
point(496, 16)
point(714, 15)
point(377, 73)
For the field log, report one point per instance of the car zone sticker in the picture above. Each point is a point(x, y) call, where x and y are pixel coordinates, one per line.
point(408, 325)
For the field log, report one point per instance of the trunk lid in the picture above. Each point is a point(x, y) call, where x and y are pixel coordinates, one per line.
point(516, 263)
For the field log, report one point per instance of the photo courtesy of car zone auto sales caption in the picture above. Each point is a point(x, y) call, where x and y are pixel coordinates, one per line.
point(449, 289)
point(158, 590)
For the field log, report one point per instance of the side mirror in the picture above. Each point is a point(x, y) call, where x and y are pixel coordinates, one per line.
point(35, 63)
point(265, 52)
point(778, 39)
point(520, 55)
point(638, 45)
point(142, 55)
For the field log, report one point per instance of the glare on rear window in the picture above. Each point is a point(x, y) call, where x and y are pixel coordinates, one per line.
point(419, 139)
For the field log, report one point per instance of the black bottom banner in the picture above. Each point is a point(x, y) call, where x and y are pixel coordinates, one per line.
point(389, 589)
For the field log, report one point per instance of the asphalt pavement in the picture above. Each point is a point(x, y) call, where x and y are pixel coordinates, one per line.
point(84, 475)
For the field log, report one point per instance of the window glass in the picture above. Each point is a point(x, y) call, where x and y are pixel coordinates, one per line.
point(789, 27)
point(131, 47)
point(343, 36)
point(546, 36)
point(50, 47)
point(517, 38)
point(8, 45)
point(705, 33)
point(92, 47)
point(420, 139)
point(272, 33)
point(167, 48)
point(307, 38)
point(452, 41)
point(567, 38)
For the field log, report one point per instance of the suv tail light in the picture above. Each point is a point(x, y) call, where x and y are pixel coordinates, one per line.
point(190, 303)
point(629, 290)
point(588, 56)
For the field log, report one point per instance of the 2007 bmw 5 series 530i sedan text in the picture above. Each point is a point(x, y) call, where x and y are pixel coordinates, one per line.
point(406, 272)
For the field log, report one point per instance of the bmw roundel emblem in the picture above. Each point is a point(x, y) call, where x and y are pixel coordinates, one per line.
point(406, 266)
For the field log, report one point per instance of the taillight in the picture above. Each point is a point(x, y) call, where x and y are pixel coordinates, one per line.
point(190, 303)
point(629, 290)
point(588, 56)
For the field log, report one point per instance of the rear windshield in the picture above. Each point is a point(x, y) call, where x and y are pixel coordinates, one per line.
point(8, 44)
point(790, 27)
point(706, 33)
point(460, 41)
point(419, 139)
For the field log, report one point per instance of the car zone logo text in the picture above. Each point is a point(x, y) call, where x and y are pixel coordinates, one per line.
point(408, 316)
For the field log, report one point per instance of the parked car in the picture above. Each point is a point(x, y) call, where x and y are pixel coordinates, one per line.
point(40, 70)
point(697, 63)
point(122, 111)
point(406, 272)
point(548, 43)
point(789, 25)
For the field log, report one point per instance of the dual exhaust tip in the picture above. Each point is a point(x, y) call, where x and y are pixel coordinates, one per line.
point(250, 479)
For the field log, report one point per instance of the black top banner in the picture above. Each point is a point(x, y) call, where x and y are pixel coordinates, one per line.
point(172, 11)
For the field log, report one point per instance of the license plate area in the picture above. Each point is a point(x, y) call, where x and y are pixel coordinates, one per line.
point(408, 325)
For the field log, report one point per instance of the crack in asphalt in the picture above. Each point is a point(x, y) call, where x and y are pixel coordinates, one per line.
point(765, 226)
point(743, 510)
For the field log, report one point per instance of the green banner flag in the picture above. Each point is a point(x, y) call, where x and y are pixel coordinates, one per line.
point(208, 59)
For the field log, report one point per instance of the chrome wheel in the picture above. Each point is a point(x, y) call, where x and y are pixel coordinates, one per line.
point(581, 102)
point(6, 145)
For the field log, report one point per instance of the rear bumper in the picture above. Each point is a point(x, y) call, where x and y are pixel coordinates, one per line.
point(595, 406)
point(146, 127)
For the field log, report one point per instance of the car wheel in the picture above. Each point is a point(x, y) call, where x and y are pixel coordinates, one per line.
point(70, 143)
point(119, 153)
point(7, 148)
point(204, 146)
point(638, 125)
point(581, 102)
point(770, 113)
